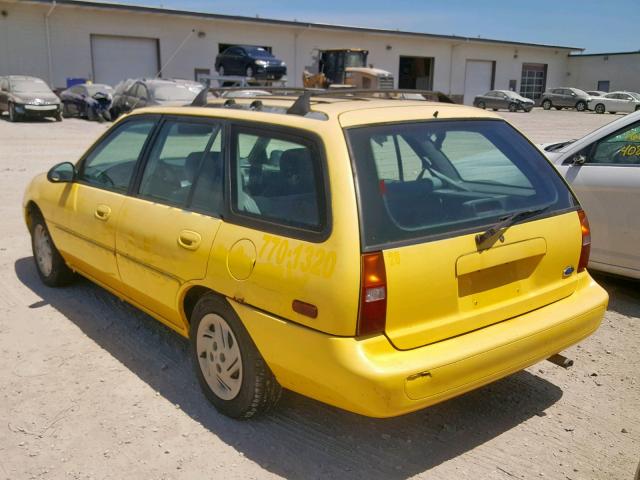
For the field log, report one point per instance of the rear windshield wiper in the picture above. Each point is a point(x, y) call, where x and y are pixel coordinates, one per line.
point(506, 222)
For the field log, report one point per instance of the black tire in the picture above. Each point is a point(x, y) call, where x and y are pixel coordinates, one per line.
point(581, 106)
point(259, 391)
point(546, 104)
point(482, 105)
point(613, 113)
point(114, 113)
point(513, 107)
point(91, 114)
point(600, 108)
point(558, 108)
point(13, 115)
point(637, 107)
point(494, 109)
point(58, 116)
point(528, 109)
point(59, 274)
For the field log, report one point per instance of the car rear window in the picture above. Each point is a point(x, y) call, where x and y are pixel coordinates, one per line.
point(422, 181)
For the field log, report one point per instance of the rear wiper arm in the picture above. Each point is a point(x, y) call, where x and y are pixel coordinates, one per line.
point(505, 223)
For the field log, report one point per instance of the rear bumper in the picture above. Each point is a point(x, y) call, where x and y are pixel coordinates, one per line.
point(370, 377)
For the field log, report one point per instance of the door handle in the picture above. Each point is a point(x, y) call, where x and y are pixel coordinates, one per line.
point(103, 212)
point(189, 240)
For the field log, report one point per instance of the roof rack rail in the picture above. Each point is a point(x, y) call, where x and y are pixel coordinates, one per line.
point(302, 104)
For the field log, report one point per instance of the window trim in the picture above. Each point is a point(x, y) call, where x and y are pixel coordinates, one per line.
point(295, 135)
point(134, 187)
point(80, 164)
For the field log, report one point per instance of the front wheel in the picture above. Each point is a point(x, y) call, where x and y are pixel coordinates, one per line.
point(546, 104)
point(482, 105)
point(249, 72)
point(581, 106)
point(558, 108)
point(600, 108)
point(232, 373)
point(58, 116)
point(52, 269)
point(13, 115)
point(221, 71)
point(513, 107)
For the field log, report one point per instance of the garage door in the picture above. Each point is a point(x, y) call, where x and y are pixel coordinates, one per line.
point(478, 79)
point(116, 58)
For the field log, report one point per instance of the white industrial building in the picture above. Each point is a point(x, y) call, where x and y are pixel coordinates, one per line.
point(605, 71)
point(107, 42)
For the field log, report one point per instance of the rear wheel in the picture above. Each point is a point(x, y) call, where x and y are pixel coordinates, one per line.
point(600, 108)
point(581, 106)
point(513, 107)
point(546, 104)
point(232, 373)
point(52, 269)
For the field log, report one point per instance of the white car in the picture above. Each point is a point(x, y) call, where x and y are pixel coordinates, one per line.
point(603, 168)
point(615, 102)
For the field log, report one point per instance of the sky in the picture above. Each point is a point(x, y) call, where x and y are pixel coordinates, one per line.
point(597, 26)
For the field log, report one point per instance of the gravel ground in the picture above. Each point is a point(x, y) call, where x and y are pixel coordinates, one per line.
point(92, 388)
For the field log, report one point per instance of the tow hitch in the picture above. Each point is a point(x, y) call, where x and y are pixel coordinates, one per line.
point(560, 360)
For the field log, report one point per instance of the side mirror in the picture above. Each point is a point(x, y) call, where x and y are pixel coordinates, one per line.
point(579, 159)
point(64, 172)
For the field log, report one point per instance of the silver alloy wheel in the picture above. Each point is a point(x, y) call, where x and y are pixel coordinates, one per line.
point(43, 249)
point(219, 356)
point(249, 72)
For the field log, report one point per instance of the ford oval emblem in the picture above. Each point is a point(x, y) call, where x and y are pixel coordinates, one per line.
point(568, 271)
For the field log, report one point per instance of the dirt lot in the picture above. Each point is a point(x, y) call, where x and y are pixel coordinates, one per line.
point(92, 388)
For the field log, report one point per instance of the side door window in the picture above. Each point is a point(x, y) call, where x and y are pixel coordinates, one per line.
point(112, 163)
point(186, 157)
point(620, 148)
point(277, 181)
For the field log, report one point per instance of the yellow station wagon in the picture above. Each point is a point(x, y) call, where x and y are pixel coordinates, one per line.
point(375, 254)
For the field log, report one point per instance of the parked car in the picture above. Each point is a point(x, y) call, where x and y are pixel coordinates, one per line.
point(615, 102)
point(252, 62)
point(560, 98)
point(28, 97)
point(132, 94)
point(506, 99)
point(457, 258)
point(603, 168)
point(87, 100)
point(596, 93)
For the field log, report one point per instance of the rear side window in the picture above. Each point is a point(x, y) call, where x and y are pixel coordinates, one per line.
point(277, 180)
point(470, 174)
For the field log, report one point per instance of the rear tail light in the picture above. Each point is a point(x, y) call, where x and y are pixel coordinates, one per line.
point(373, 296)
point(586, 241)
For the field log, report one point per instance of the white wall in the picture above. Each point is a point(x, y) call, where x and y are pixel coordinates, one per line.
point(622, 71)
point(23, 45)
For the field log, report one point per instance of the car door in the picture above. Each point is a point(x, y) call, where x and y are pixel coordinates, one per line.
point(626, 103)
point(167, 227)
point(608, 186)
point(88, 209)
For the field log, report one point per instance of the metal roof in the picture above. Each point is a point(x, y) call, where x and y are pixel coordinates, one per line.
point(606, 54)
point(289, 23)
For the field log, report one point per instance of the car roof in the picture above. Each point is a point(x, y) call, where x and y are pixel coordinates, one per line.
point(348, 111)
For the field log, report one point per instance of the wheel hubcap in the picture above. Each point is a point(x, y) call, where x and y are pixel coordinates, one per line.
point(249, 72)
point(43, 250)
point(219, 356)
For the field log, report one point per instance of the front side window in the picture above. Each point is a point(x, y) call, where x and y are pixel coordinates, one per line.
point(111, 164)
point(621, 148)
point(277, 179)
point(185, 154)
point(469, 175)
